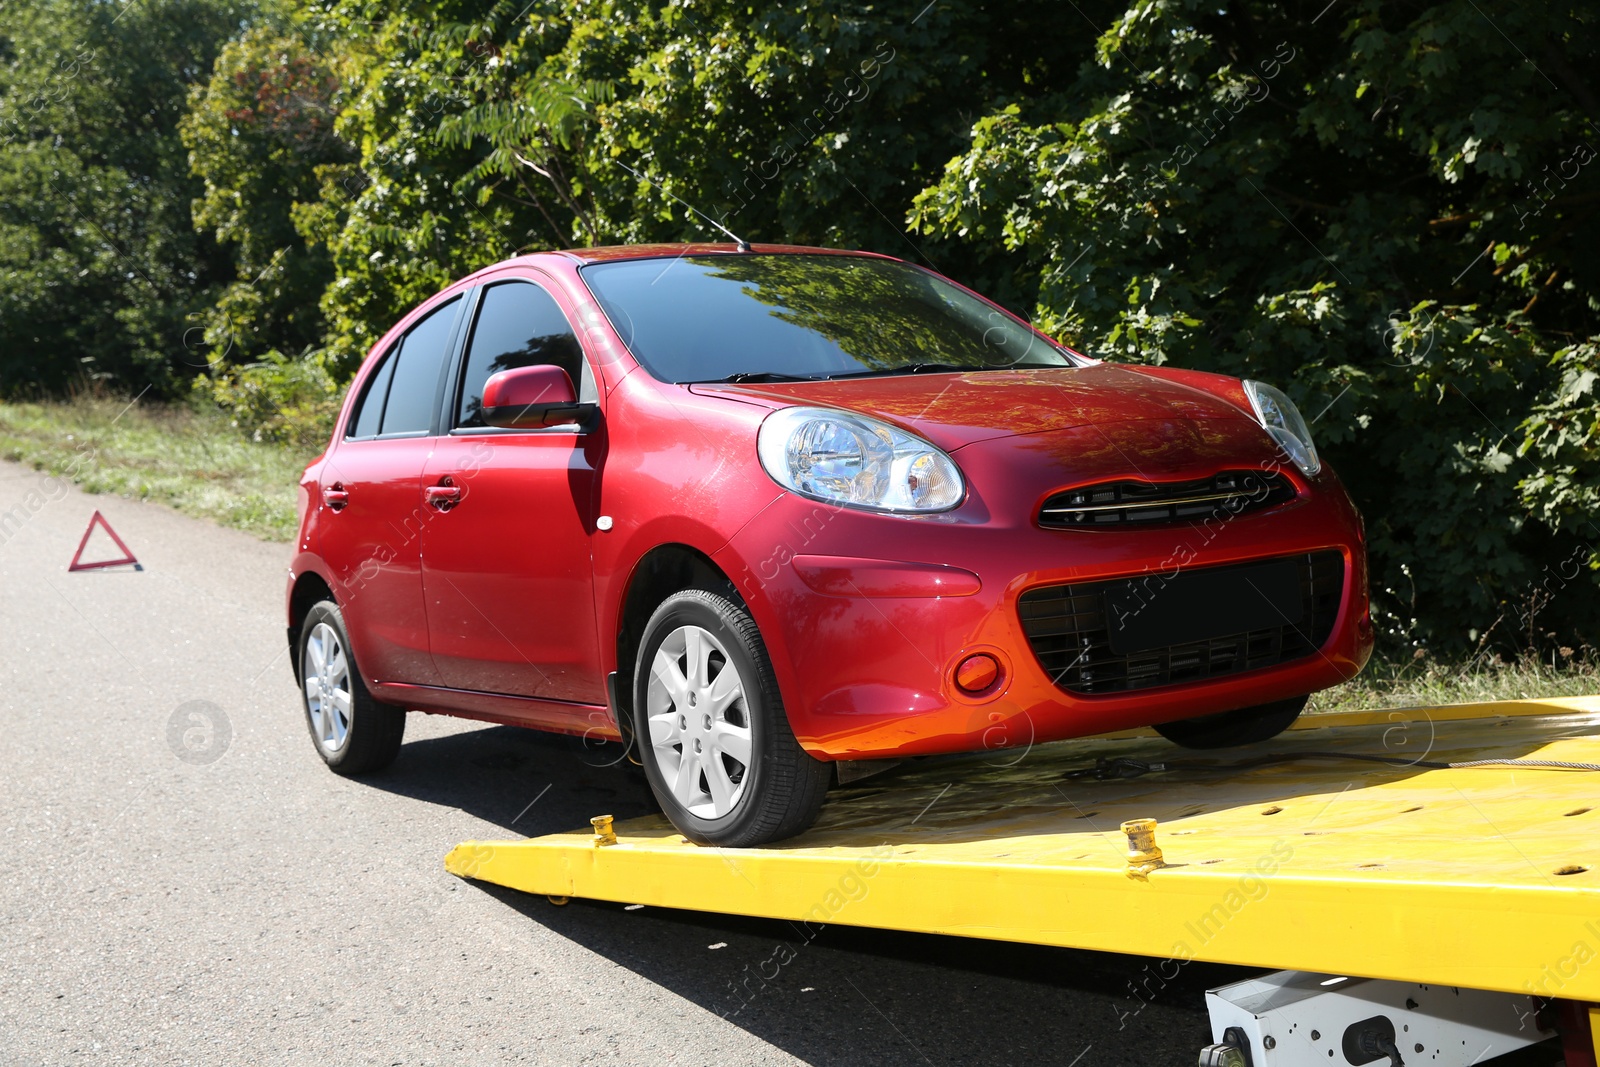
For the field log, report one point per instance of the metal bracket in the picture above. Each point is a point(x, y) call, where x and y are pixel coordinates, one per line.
point(1298, 1018)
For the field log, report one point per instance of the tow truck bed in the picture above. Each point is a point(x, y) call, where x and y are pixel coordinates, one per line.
point(1481, 877)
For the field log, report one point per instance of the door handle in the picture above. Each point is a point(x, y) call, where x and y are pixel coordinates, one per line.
point(443, 496)
point(335, 496)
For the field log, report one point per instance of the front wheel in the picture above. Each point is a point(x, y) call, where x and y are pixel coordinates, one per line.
point(712, 733)
point(354, 733)
point(1246, 726)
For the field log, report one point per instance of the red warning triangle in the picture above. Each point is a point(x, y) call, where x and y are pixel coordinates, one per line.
point(127, 555)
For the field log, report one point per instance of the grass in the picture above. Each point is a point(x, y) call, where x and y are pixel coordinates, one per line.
point(190, 459)
point(196, 461)
point(1426, 681)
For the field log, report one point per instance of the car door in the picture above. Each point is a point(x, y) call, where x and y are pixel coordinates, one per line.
point(506, 561)
point(372, 487)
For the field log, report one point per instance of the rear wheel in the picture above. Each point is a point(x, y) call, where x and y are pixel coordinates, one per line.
point(1246, 726)
point(354, 733)
point(711, 729)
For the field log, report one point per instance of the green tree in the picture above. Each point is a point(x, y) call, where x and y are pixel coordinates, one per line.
point(257, 133)
point(100, 266)
point(1388, 208)
point(815, 124)
point(412, 211)
point(485, 128)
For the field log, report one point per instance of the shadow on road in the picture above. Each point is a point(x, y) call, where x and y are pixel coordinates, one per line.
point(527, 782)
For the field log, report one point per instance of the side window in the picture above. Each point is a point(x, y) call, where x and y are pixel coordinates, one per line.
point(400, 393)
point(518, 325)
point(369, 413)
point(416, 373)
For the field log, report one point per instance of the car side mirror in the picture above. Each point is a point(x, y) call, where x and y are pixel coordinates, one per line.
point(528, 397)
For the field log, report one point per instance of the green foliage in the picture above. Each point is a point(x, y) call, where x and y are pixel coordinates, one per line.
point(257, 131)
point(1562, 433)
point(291, 401)
point(100, 267)
point(407, 215)
point(1418, 680)
point(1349, 206)
point(487, 128)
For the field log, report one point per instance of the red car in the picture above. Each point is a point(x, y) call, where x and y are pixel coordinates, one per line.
point(767, 513)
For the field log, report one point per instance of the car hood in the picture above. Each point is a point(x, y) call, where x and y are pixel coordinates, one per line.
point(955, 410)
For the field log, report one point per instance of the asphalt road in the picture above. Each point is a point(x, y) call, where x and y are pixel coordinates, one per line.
point(182, 881)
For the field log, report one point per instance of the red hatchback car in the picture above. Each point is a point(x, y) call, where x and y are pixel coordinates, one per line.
point(768, 512)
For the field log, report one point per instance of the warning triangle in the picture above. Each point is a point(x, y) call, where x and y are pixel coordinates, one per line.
point(77, 557)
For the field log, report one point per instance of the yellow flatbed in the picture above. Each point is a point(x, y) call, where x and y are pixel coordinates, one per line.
point(1483, 877)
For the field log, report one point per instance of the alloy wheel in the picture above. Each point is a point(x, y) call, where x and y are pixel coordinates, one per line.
point(325, 670)
point(699, 722)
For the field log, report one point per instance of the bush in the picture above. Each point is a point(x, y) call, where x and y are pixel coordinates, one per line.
point(283, 399)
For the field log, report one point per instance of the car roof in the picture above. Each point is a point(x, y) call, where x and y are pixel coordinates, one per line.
point(616, 253)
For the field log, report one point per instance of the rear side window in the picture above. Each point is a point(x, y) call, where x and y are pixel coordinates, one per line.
point(415, 385)
point(400, 393)
point(369, 416)
point(518, 325)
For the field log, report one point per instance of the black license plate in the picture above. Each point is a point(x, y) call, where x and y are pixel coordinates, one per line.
point(1155, 611)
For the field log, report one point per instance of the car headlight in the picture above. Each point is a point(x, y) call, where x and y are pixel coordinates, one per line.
point(842, 458)
point(1279, 417)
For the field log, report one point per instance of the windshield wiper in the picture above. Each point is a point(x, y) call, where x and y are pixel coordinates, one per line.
point(764, 376)
point(880, 372)
point(931, 368)
point(906, 368)
point(759, 376)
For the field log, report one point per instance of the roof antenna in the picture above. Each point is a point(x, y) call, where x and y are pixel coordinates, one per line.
point(739, 243)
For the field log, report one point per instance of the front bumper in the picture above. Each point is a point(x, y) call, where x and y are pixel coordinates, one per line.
point(867, 616)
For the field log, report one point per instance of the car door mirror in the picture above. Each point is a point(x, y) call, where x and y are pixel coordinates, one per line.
point(528, 397)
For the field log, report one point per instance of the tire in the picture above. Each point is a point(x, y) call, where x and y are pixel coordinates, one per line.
point(353, 733)
point(703, 678)
point(1246, 726)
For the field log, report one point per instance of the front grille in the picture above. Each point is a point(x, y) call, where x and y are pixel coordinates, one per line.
point(1069, 629)
point(1224, 494)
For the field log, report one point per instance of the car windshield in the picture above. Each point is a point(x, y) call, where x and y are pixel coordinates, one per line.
point(804, 317)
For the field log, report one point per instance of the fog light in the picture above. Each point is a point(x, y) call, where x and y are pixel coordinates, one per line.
point(977, 672)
